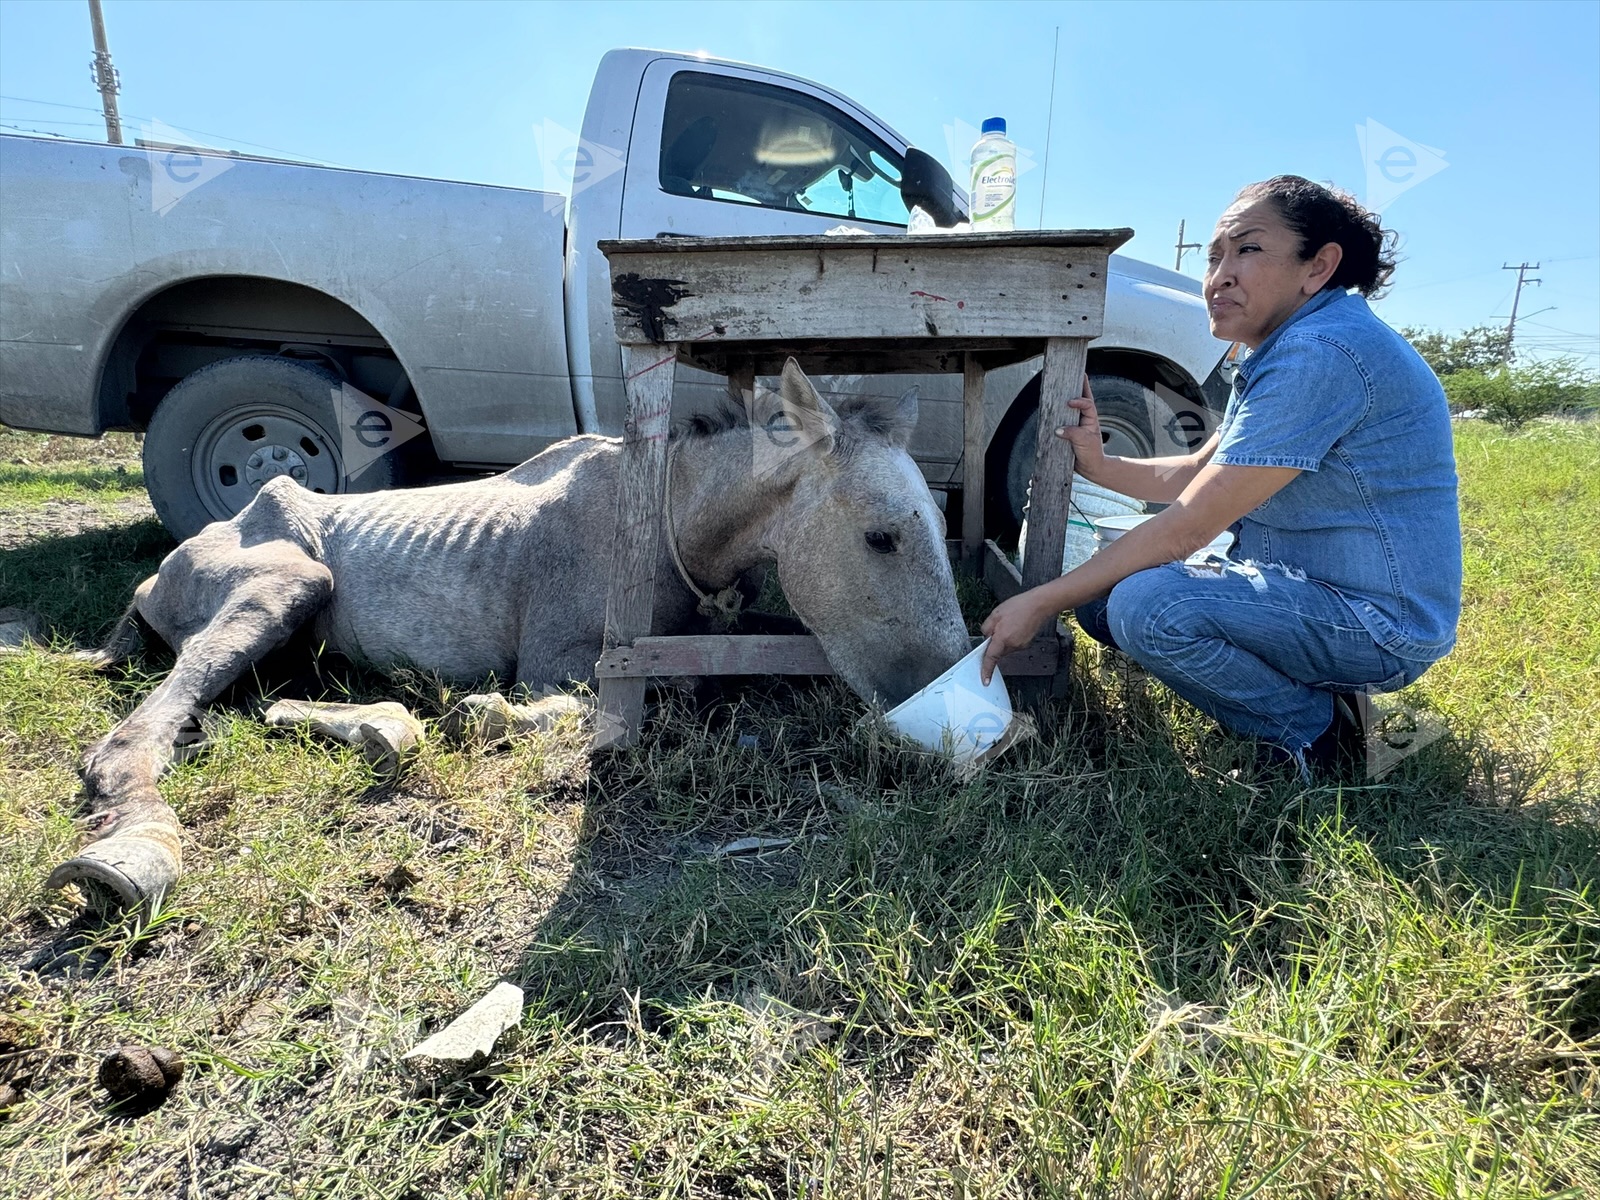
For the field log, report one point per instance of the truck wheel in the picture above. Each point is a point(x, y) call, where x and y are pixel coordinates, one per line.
point(225, 430)
point(1125, 407)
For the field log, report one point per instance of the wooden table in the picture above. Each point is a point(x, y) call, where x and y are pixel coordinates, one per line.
point(871, 304)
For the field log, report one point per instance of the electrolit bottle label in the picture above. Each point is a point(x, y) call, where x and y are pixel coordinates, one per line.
point(994, 190)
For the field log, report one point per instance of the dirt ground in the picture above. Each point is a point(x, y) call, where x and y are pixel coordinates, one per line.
point(97, 478)
point(63, 518)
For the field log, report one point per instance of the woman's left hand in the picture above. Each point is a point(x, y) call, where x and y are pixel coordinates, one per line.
point(1011, 626)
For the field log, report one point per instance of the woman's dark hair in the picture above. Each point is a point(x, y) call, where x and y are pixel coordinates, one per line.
point(1319, 215)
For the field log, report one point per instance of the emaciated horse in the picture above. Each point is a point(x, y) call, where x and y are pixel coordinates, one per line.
point(508, 576)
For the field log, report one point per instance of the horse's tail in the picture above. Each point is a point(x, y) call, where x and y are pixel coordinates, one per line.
point(125, 639)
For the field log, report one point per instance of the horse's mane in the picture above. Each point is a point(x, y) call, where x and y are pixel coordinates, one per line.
point(729, 415)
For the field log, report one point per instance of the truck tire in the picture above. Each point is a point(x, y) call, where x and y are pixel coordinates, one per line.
point(1125, 406)
point(223, 431)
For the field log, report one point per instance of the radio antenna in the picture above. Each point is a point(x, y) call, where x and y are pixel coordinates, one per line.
point(1049, 120)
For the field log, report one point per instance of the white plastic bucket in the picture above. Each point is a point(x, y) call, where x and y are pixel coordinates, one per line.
point(956, 712)
point(1090, 503)
point(1109, 529)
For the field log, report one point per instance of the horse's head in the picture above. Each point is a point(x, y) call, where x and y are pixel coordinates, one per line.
point(859, 542)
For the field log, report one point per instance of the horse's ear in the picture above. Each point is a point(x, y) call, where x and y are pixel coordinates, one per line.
point(903, 419)
point(809, 415)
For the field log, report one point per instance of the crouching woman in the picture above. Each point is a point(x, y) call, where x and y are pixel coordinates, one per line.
point(1334, 468)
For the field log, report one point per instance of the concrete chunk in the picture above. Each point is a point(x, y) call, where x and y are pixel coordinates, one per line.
point(472, 1035)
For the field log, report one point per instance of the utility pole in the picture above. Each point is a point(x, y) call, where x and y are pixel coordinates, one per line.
point(105, 75)
point(1511, 325)
point(1177, 264)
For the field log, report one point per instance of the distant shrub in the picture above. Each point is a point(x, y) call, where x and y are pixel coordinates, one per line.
point(1481, 348)
point(1512, 397)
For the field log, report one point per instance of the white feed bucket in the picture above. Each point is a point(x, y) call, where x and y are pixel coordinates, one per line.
point(956, 713)
point(1109, 529)
point(1090, 503)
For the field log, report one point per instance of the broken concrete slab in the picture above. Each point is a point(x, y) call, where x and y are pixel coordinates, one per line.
point(470, 1038)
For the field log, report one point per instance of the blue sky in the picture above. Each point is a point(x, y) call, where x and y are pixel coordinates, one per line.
point(1162, 111)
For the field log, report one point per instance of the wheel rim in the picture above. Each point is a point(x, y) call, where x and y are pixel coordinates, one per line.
point(1119, 437)
point(241, 450)
point(1124, 439)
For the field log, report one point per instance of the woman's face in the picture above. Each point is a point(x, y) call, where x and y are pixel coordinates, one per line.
point(1255, 278)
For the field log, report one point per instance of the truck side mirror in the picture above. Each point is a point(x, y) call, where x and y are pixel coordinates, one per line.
point(925, 184)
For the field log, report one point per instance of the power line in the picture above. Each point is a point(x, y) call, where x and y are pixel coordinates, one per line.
point(1417, 287)
point(50, 103)
point(41, 132)
point(256, 145)
point(1557, 329)
point(1494, 316)
point(83, 124)
point(180, 128)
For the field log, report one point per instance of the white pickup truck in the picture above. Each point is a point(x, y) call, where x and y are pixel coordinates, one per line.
point(211, 299)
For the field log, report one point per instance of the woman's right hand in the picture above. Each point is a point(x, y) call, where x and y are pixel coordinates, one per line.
point(1087, 444)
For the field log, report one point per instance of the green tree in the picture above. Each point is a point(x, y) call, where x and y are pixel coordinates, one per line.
point(1481, 348)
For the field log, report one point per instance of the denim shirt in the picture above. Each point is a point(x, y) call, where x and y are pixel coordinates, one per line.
point(1373, 513)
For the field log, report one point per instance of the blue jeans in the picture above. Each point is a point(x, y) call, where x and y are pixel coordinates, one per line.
point(1257, 648)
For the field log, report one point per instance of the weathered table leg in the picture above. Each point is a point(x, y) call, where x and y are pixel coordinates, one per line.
point(647, 372)
point(1051, 497)
point(973, 450)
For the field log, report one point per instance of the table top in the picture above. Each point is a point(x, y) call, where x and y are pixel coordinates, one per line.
point(869, 303)
point(1108, 239)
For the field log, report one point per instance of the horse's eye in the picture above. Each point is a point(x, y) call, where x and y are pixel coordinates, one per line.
point(881, 542)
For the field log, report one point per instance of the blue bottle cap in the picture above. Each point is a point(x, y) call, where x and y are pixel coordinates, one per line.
point(994, 125)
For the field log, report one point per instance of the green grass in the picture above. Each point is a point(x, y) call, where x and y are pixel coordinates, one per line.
point(1109, 966)
point(1526, 670)
point(37, 468)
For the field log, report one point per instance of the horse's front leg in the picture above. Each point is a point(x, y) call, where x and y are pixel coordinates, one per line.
point(255, 599)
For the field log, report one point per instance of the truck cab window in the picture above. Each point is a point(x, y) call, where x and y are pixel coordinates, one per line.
point(751, 143)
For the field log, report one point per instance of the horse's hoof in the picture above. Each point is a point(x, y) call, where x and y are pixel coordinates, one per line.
point(490, 719)
point(386, 731)
point(388, 743)
point(485, 719)
point(130, 873)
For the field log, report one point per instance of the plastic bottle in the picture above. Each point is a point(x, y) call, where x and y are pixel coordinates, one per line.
point(994, 178)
